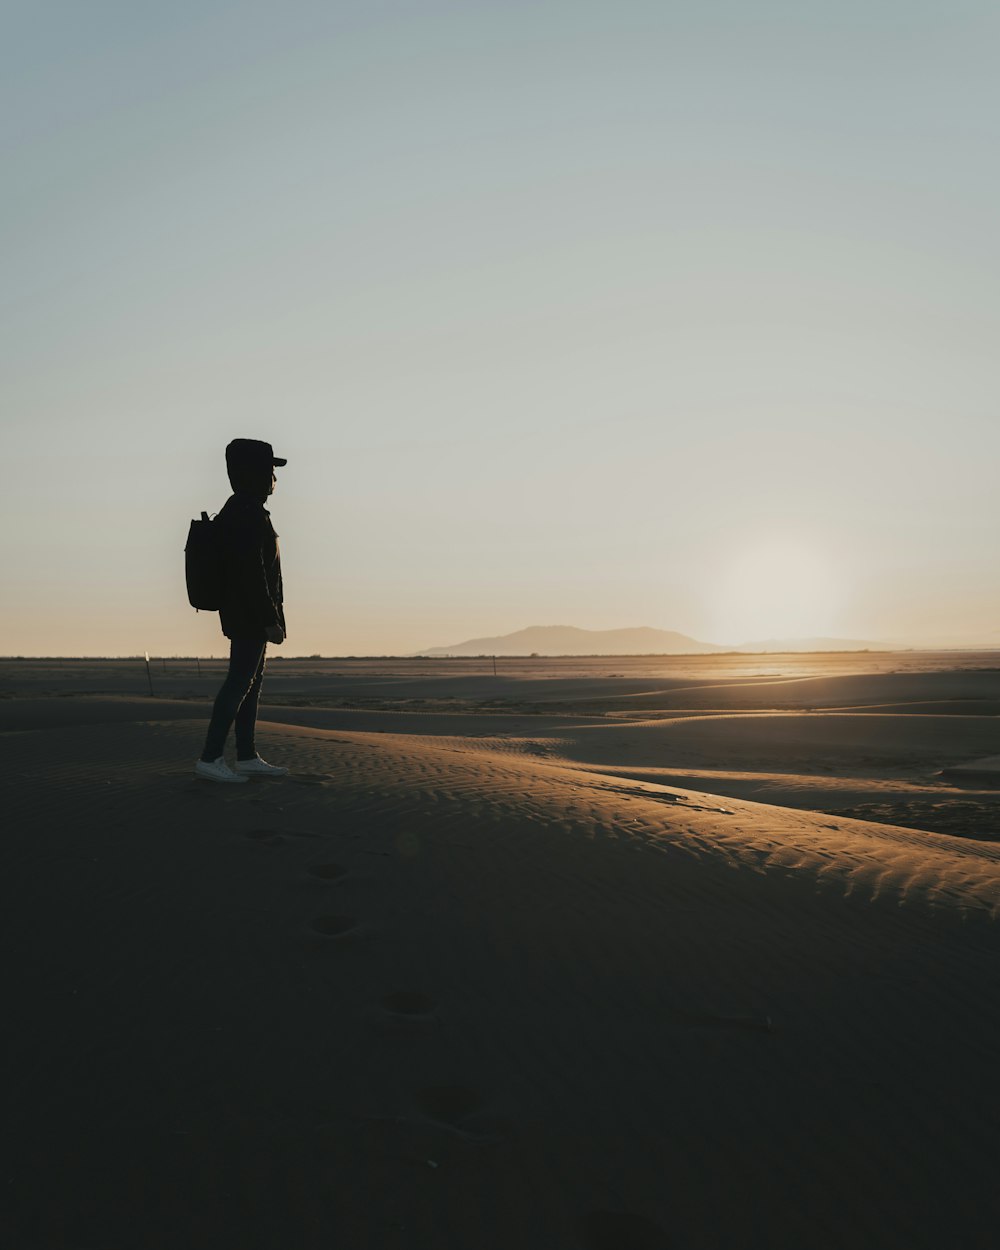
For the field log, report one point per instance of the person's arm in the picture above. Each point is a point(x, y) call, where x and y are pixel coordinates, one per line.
point(248, 579)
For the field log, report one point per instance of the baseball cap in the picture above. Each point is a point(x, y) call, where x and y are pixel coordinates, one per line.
point(252, 451)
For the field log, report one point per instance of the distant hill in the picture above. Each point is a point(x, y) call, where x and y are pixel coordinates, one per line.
point(568, 640)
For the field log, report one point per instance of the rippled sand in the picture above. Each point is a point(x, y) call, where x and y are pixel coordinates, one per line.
point(554, 959)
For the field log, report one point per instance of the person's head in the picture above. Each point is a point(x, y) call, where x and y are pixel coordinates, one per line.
point(250, 465)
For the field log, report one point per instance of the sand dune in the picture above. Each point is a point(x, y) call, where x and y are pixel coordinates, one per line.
point(481, 979)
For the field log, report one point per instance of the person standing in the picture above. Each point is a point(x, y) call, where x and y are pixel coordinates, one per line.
point(251, 611)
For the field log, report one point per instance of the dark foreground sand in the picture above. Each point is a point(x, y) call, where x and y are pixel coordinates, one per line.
point(515, 977)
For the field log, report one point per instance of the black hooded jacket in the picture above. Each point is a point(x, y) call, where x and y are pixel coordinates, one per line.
point(252, 596)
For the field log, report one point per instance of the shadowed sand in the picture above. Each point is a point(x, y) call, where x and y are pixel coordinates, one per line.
point(527, 976)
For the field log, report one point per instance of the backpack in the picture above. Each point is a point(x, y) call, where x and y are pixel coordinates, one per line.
point(204, 564)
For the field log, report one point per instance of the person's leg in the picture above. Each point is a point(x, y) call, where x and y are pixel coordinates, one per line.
point(246, 717)
point(245, 659)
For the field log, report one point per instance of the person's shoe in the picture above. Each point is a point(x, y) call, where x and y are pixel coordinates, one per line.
point(217, 770)
point(260, 768)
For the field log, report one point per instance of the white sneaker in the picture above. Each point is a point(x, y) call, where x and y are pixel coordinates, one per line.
point(260, 768)
point(217, 770)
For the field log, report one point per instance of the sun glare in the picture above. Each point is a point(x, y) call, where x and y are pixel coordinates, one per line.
point(777, 588)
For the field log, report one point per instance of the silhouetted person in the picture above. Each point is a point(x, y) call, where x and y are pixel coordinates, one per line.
point(251, 613)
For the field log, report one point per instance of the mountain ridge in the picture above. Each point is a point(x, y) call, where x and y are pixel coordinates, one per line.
point(634, 640)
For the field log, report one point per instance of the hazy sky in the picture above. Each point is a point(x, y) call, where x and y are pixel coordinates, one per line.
point(674, 314)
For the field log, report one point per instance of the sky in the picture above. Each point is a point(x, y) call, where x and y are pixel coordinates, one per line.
point(677, 314)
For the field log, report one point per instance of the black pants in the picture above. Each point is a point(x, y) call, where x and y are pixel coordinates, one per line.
point(237, 700)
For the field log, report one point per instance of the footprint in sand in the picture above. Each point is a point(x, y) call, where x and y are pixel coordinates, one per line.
point(712, 1020)
point(272, 836)
point(460, 1109)
point(408, 1003)
point(333, 926)
point(616, 1230)
point(448, 1103)
point(405, 1013)
point(327, 872)
point(269, 836)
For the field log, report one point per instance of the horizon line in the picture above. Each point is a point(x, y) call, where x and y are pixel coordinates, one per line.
point(140, 657)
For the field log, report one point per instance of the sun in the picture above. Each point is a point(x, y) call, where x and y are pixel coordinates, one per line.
point(777, 588)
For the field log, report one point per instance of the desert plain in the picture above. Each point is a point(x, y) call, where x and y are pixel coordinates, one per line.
point(612, 953)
